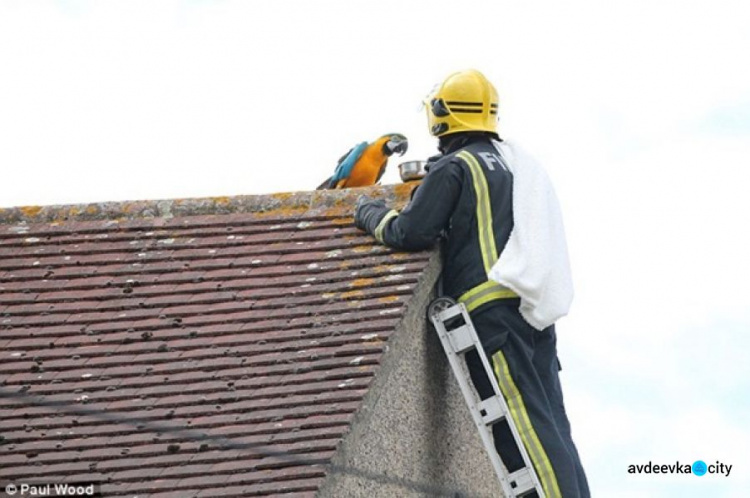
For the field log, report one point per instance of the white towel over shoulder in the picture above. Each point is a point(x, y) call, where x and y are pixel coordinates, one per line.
point(534, 263)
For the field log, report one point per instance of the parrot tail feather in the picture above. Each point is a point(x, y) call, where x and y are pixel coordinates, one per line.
point(325, 185)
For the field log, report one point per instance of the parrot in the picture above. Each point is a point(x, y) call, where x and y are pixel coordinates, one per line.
point(365, 163)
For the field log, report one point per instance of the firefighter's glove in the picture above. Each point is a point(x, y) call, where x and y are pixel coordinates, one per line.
point(368, 213)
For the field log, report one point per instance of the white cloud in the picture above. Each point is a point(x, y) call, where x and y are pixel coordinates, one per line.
point(618, 430)
point(132, 89)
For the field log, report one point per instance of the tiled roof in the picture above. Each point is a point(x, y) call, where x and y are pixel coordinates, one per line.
point(191, 354)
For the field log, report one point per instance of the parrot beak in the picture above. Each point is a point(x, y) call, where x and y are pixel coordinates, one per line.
point(397, 144)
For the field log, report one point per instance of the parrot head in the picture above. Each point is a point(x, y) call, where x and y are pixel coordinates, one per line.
point(395, 143)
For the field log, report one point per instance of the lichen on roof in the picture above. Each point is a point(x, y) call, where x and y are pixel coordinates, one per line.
point(327, 202)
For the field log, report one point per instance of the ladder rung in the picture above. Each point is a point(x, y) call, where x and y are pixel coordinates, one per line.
point(449, 313)
point(521, 481)
point(461, 339)
point(491, 410)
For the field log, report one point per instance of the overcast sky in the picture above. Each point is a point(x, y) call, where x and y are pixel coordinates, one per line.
point(639, 110)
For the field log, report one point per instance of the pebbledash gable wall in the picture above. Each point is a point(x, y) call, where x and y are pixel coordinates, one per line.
point(238, 346)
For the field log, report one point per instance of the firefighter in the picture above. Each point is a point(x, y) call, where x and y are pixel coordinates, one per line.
point(466, 199)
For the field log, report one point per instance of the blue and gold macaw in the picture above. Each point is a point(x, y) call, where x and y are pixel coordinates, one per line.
point(365, 163)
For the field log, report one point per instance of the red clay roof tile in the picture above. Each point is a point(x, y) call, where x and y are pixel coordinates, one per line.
point(191, 354)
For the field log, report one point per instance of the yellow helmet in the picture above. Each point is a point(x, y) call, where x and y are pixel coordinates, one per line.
point(465, 101)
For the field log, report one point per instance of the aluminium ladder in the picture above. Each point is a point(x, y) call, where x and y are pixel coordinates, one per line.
point(457, 334)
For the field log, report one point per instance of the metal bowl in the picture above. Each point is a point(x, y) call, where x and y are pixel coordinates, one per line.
point(412, 170)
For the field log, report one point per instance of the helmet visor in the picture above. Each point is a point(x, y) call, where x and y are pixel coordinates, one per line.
point(427, 100)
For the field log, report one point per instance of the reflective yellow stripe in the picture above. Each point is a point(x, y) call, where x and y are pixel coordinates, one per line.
point(484, 211)
point(489, 290)
point(484, 293)
point(526, 430)
point(381, 226)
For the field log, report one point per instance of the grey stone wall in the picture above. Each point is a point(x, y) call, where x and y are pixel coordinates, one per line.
point(414, 436)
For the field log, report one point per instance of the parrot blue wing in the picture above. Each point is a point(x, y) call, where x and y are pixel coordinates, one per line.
point(344, 168)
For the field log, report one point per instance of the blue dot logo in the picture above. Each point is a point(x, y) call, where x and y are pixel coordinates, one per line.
point(699, 468)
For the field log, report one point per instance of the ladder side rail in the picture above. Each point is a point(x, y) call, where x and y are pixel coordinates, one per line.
point(470, 394)
point(462, 375)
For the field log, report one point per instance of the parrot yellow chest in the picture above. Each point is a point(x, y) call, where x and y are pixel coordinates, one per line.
point(367, 169)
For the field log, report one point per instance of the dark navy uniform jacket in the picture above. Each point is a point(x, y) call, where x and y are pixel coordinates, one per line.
point(467, 198)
